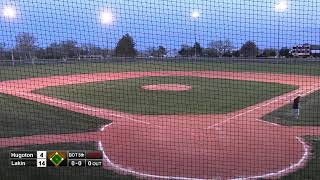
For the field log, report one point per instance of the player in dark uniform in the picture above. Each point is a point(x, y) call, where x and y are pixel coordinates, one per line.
point(296, 108)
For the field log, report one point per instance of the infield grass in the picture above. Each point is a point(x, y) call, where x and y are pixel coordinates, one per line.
point(207, 96)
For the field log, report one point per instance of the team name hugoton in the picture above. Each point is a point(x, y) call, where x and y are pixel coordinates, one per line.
point(21, 155)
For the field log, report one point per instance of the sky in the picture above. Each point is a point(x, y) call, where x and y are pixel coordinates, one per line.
point(163, 22)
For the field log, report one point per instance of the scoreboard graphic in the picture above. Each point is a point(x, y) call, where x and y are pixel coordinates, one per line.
point(43, 159)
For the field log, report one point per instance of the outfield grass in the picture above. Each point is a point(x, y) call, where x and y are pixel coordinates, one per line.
point(62, 173)
point(309, 113)
point(20, 117)
point(208, 96)
point(7, 73)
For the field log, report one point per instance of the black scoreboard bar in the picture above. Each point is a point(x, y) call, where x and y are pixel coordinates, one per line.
point(43, 159)
point(23, 158)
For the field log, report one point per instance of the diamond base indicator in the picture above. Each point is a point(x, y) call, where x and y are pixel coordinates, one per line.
point(57, 158)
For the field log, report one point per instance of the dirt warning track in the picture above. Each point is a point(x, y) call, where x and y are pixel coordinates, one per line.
point(237, 145)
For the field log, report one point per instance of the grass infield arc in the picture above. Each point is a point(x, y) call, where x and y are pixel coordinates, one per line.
point(207, 96)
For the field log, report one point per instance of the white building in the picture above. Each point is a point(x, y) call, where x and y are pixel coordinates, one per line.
point(306, 50)
point(301, 50)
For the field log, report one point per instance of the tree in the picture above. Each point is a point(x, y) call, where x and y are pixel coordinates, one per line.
point(41, 53)
point(285, 52)
point(54, 51)
point(69, 49)
point(157, 52)
point(249, 49)
point(91, 49)
point(236, 53)
point(197, 49)
point(150, 52)
point(227, 54)
point(162, 51)
point(2, 51)
point(186, 51)
point(126, 47)
point(65, 49)
point(222, 47)
point(25, 45)
point(209, 52)
point(269, 52)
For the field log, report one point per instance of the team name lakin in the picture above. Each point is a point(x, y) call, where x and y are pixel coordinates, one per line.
point(18, 163)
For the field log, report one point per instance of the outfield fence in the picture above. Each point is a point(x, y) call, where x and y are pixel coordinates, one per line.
point(125, 59)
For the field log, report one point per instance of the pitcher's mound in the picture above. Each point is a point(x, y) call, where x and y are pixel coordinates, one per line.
point(167, 87)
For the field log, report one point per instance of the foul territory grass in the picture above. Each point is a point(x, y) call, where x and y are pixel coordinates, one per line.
point(309, 113)
point(310, 116)
point(311, 169)
point(207, 96)
point(20, 117)
point(52, 173)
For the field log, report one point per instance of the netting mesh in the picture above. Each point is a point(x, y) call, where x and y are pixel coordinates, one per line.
point(159, 89)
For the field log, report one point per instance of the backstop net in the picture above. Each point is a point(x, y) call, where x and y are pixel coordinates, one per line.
point(160, 89)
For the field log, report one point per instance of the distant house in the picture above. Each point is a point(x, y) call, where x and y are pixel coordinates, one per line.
point(306, 50)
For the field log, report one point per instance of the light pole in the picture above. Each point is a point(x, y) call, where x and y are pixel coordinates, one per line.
point(10, 13)
point(107, 18)
point(280, 7)
point(195, 16)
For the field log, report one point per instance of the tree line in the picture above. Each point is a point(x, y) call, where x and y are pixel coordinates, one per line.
point(26, 48)
point(225, 48)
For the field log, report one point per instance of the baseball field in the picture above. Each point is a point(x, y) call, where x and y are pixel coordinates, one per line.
point(200, 120)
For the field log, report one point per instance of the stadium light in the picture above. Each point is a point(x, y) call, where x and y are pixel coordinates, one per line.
point(9, 12)
point(106, 17)
point(280, 7)
point(195, 16)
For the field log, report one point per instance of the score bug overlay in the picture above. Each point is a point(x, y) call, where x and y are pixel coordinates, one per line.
point(43, 159)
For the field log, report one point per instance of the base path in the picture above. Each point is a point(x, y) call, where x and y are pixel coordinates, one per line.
point(237, 145)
